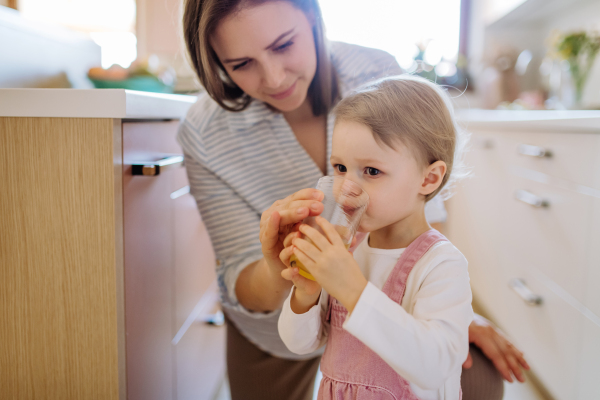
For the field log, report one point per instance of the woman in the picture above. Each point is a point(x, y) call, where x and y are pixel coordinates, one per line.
point(261, 133)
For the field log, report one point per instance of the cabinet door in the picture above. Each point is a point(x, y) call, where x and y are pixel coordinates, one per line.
point(474, 217)
point(200, 351)
point(148, 253)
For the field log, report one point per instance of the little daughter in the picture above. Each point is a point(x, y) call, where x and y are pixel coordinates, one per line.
point(394, 314)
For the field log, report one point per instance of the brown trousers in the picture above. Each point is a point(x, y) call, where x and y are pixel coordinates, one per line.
point(256, 375)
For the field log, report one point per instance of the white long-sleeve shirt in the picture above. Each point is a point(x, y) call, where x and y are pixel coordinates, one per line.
point(424, 339)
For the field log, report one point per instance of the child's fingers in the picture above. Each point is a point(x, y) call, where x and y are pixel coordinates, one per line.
point(317, 237)
point(288, 239)
point(307, 248)
point(285, 255)
point(288, 274)
point(333, 235)
point(303, 258)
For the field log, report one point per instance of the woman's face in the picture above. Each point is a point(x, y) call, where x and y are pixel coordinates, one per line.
point(269, 51)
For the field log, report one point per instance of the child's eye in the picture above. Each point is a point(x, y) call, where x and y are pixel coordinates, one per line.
point(340, 168)
point(240, 65)
point(283, 46)
point(372, 171)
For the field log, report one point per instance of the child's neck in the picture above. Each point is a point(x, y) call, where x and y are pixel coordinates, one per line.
point(400, 234)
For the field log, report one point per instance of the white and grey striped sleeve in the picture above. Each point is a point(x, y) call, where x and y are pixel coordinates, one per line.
point(232, 224)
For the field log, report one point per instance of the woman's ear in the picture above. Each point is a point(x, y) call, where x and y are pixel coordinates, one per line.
point(432, 177)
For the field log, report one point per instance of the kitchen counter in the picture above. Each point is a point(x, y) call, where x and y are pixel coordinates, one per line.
point(93, 103)
point(580, 120)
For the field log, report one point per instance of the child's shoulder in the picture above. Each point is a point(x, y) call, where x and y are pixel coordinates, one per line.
point(444, 254)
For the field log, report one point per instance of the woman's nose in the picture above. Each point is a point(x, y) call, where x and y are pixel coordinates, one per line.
point(273, 75)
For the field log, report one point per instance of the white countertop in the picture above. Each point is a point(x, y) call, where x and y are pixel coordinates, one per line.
point(93, 103)
point(121, 103)
point(579, 120)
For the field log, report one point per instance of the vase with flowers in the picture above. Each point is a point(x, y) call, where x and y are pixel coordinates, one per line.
point(579, 49)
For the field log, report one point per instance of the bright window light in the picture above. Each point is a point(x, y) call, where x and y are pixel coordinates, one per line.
point(397, 26)
point(110, 23)
point(117, 48)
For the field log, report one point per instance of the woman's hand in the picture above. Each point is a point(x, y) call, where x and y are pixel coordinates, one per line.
point(507, 359)
point(282, 218)
point(332, 265)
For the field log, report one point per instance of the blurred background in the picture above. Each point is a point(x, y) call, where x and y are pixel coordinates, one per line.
point(511, 54)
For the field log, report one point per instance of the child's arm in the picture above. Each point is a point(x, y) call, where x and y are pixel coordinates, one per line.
point(429, 345)
point(303, 332)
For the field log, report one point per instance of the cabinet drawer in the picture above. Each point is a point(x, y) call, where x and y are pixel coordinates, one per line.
point(552, 238)
point(574, 156)
point(549, 333)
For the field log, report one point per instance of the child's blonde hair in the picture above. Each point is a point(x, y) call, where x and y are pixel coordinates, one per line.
point(416, 112)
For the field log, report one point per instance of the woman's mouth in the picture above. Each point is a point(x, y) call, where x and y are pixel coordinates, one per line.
point(285, 93)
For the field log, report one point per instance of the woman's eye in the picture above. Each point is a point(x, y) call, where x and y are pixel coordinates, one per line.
point(372, 171)
point(340, 168)
point(241, 65)
point(284, 46)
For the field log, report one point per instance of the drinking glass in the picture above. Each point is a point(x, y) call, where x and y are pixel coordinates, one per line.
point(345, 202)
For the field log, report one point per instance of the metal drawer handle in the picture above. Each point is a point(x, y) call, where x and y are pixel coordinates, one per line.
point(152, 168)
point(533, 151)
point(520, 288)
point(531, 199)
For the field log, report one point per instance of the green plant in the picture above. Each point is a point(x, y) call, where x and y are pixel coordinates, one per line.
point(580, 50)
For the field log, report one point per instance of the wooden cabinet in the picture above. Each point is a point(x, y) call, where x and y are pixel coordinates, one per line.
point(528, 226)
point(100, 269)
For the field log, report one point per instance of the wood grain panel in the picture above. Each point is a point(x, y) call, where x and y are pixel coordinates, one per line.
point(58, 323)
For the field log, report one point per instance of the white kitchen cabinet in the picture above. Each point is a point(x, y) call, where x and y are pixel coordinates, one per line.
point(529, 226)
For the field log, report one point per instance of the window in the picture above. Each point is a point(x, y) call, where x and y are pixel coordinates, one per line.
point(403, 28)
point(110, 23)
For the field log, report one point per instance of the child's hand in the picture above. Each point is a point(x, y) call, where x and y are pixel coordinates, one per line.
point(330, 263)
point(307, 291)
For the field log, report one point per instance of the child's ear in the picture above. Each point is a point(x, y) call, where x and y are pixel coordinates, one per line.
point(432, 177)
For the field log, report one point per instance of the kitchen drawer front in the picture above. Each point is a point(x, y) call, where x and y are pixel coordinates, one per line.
point(200, 361)
point(549, 333)
point(194, 257)
point(593, 276)
point(554, 238)
point(149, 141)
point(474, 217)
point(575, 157)
point(590, 360)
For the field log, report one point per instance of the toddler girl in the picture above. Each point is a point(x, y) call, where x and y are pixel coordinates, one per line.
point(394, 314)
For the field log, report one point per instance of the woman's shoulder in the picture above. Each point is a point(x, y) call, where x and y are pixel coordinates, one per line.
point(204, 115)
point(356, 64)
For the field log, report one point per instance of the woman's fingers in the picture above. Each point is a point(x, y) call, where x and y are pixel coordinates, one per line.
point(269, 235)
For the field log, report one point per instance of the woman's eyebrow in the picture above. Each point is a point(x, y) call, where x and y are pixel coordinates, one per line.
point(279, 38)
point(232, 60)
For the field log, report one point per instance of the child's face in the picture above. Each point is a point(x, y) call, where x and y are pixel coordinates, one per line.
point(392, 177)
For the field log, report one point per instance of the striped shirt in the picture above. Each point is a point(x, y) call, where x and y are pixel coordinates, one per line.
point(240, 163)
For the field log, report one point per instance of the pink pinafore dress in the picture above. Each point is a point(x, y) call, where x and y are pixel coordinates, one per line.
point(350, 369)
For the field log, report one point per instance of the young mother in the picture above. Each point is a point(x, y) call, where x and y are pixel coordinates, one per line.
point(261, 133)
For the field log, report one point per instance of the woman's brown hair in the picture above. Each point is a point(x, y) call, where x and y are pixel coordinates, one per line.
point(201, 18)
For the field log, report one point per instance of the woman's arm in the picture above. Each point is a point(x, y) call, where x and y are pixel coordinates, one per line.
point(250, 271)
